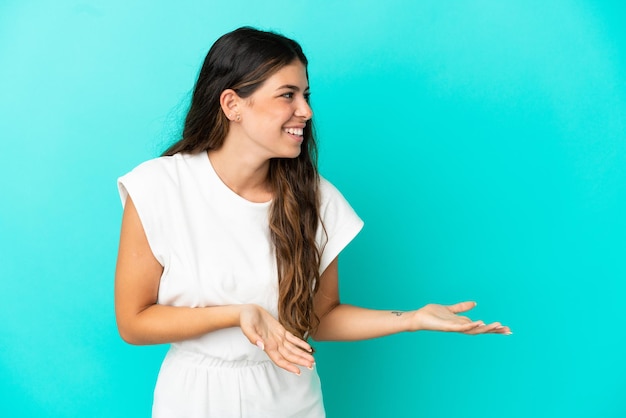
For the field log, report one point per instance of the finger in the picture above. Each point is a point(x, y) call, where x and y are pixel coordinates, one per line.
point(461, 307)
point(468, 327)
point(493, 328)
point(298, 342)
point(294, 347)
point(298, 351)
point(463, 327)
point(483, 329)
point(255, 338)
point(502, 330)
point(278, 359)
point(296, 355)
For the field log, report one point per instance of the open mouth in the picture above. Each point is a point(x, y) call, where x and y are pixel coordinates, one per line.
point(298, 132)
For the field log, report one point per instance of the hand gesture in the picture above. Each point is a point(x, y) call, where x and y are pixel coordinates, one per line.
point(281, 346)
point(445, 318)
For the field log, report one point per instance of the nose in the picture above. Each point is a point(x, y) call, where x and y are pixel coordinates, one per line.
point(304, 110)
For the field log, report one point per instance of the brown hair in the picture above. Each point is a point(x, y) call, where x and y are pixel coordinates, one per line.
point(242, 60)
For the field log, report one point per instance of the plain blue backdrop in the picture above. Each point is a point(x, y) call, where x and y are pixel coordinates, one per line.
point(483, 143)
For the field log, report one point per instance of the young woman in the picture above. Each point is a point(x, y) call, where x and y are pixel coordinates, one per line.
point(229, 246)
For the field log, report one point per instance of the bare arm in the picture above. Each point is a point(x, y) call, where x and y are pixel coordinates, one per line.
point(141, 320)
point(339, 322)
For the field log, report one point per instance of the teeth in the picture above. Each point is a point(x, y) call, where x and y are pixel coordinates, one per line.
point(295, 131)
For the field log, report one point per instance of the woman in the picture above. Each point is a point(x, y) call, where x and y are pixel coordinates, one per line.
point(229, 246)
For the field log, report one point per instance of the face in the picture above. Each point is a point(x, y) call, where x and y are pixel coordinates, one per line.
point(274, 116)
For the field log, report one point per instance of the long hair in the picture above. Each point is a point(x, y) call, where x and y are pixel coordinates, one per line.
point(242, 60)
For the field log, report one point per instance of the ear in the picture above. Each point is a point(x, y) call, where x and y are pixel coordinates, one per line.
point(229, 101)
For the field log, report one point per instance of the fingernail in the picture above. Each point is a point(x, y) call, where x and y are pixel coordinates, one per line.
point(260, 345)
point(508, 333)
point(311, 367)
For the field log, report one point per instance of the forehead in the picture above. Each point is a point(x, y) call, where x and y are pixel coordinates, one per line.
point(289, 75)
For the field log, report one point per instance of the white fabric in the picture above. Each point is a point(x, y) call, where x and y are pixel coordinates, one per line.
point(215, 249)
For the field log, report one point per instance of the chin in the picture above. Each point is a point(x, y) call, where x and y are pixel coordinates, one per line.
point(292, 154)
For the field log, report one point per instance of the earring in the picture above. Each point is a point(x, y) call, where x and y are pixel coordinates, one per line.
point(238, 118)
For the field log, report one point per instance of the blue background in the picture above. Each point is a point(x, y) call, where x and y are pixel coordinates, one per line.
point(483, 142)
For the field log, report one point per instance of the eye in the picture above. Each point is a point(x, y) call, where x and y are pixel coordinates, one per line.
point(288, 95)
point(307, 97)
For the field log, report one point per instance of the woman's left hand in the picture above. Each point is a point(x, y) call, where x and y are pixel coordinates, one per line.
point(434, 317)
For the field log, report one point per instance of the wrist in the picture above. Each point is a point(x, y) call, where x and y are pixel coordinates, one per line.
point(404, 319)
point(245, 312)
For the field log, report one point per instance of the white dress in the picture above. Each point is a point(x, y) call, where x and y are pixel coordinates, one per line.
point(215, 249)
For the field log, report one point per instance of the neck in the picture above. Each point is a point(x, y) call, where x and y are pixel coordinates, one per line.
point(243, 173)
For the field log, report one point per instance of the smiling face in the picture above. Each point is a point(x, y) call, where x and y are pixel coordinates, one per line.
point(273, 118)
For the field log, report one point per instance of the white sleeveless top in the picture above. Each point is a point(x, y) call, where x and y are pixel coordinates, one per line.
point(215, 249)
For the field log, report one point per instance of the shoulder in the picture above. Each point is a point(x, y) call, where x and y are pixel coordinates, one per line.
point(161, 170)
point(340, 223)
point(158, 166)
point(332, 201)
point(327, 188)
point(157, 179)
point(328, 192)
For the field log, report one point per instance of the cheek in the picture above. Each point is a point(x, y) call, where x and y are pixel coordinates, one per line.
point(269, 117)
point(274, 119)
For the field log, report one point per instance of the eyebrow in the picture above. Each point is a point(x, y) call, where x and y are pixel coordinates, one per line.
point(292, 87)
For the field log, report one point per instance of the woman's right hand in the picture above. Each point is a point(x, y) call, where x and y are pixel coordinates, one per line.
point(281, 346)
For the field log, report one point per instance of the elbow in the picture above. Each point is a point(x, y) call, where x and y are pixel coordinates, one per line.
point(321, 332)
point(132, 327)
point(317, 337)
point(314, 335)
point(128, 335)
point(322, 335)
